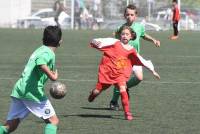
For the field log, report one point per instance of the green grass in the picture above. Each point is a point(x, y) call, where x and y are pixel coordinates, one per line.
point(168, 106)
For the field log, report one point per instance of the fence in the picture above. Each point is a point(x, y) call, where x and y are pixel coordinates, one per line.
point(104, 14)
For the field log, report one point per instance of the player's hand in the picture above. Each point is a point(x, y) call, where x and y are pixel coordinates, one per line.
point(55, 73)
point(96, 44)
point(157, 43)
point(156, 75)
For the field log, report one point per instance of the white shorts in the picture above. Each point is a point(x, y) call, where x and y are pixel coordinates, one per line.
point(20, 108)
point(137, 68)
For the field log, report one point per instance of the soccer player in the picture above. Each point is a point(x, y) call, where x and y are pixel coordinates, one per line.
point(175, 19)
point(28, 93)
point(130, 15)
point(116, 65)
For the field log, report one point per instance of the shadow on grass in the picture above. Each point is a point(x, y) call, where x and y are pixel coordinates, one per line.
point(93, 116)
point(95, 108)
point(100, 116)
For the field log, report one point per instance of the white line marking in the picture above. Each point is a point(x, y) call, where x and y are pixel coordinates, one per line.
point(96, 66)
point(95, 80)
point(65, 55)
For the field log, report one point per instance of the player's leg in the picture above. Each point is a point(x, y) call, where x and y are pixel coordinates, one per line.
point(175, 28)
point(45, 111)
point(137, 78)
point(16, 113)
point(125, 101)
point(3, 129)
point(114, 101)
point(95, 92)
point(9, 126)
point(133, 81)
point(51, 125)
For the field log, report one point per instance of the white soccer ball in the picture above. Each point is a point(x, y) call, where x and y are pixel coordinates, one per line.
point(58, 90)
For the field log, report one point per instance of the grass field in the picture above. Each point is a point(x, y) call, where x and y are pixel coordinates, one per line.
point(168, 106)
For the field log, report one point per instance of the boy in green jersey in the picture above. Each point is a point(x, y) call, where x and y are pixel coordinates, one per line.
point(130, 15)
point(28, 93)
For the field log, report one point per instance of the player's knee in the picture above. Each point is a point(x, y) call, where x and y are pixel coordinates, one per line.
point(54, 120)
point(96, 91)
point(122, 89)
point(140, 78)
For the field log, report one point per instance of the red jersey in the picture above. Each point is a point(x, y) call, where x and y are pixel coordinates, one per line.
point(116, 63)
point(176, 14)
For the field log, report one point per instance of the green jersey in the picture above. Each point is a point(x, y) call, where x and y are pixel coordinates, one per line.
point(30, 86)
point(140, 32)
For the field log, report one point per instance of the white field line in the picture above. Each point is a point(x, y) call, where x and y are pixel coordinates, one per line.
point(74, 55)
point(96, 66)
point(95, 80)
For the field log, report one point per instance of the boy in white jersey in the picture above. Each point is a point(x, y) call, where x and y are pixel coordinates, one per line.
point(28, 93)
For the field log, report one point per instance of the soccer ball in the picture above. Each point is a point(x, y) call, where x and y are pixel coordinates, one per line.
point(58, 90)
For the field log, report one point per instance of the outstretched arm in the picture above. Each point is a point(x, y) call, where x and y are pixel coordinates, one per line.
point(149, 65)
point(139, 60)
point(103, 42)
point(151, 39)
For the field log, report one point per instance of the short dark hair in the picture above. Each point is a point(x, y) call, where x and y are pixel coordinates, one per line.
point(175, 1)
point(52, 36)
point(132, 7)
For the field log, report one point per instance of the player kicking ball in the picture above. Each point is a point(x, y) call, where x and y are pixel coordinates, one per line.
point(28, 93)
point(130, 14)
point(116, 65)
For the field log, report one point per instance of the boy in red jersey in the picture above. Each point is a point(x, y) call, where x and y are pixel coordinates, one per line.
point(175, 18)
point(116, 65)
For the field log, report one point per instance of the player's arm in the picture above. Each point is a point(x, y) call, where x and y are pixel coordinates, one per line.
point(51, 74)
point(149, 65)
point(101, 43)
point(136, 59)
point(151, 39)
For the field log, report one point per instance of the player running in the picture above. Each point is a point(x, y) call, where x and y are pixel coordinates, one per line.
point(28, 94)
point(130, 15)
point(116, 65)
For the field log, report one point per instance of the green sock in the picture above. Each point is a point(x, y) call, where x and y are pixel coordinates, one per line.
point(3, 130)
point(116, 95)
point(133, 81)
point(50, 129)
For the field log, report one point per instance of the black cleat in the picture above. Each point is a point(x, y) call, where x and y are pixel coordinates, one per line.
point(114, 106)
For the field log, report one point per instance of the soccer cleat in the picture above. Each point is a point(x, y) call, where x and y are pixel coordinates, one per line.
point(114, 106)
point(91, 97)
point(128, 116)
